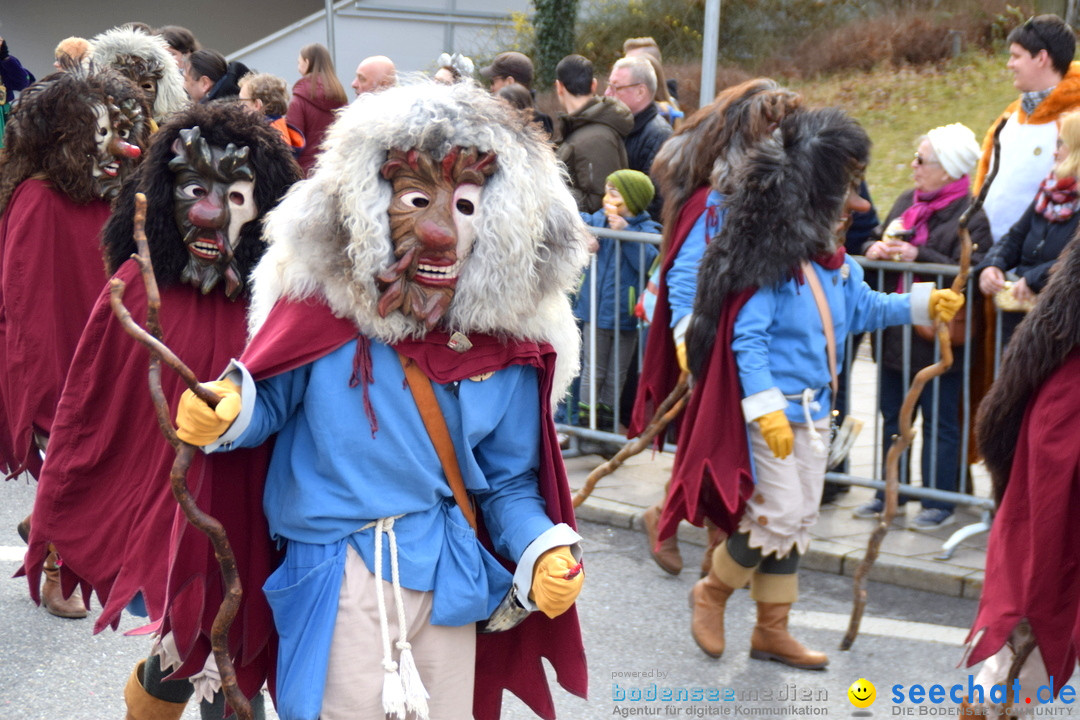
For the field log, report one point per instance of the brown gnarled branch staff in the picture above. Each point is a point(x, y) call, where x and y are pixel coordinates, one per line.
point(159, 352)
point(906, 436)
point(667, 411)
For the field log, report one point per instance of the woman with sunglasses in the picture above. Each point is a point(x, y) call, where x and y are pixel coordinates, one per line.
point(922, 228)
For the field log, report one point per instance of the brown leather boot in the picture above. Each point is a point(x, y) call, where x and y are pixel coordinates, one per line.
point(716, 536)
point(708, 600)
point(666, 554)
point(772, 641)
point(52, 595)
point(968, 711)
point(23, 528)
point(141, 705)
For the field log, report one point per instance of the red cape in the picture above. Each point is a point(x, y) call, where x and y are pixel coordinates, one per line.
point(51, 271)
point(297, 333)
point(104, 497)
point(1031, 556)
point(659, 368)
point(712, 474)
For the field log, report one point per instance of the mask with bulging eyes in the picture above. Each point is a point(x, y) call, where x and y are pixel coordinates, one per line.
point(433, 219)
point(115, 127)
point(213, 198)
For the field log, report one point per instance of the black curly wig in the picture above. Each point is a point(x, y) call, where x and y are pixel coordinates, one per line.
point(51, 130)
point(789, 194)
point(220, 124)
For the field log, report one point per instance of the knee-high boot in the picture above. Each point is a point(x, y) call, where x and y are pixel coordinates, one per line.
point(52, 594)
point(708, 600)
point(774, 594)
point(666, 552)
point(141, 705)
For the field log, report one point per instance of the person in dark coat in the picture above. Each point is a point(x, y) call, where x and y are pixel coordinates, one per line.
point(633, 80)
point(13, 76)
point(590, 134)
point(1020, 261)
point(922, 227)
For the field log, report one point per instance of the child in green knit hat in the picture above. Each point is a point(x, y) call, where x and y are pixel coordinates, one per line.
point(626, 197)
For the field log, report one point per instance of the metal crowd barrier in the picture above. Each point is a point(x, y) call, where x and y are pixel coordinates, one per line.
point(589, 435)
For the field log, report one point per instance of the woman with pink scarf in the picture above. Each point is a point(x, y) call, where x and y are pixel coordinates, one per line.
point(922, 228)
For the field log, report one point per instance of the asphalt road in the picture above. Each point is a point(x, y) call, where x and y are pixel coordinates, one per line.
point(636, 628)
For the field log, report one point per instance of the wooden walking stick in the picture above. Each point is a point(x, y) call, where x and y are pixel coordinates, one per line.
point(159, 352)
point(903, 441)
point(666, 412)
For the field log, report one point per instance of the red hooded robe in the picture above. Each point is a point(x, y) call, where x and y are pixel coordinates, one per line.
point(1032, 557)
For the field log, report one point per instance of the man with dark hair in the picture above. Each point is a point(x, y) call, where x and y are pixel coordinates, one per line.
point(633, 80)
point(590, 134)
point(1040, 58)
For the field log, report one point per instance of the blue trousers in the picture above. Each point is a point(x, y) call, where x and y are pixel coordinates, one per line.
point(947, 446)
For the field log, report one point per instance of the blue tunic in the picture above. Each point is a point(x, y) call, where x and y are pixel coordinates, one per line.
point(330, 475)
point(779, 342)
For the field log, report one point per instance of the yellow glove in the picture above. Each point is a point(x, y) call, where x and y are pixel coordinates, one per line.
point(777, 431)
point(680, 355)
point(198, 423)
point(944, 304)
point(557, 579)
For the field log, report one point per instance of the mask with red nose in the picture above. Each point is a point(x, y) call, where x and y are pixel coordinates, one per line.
point(214, 197)
point(433, 219)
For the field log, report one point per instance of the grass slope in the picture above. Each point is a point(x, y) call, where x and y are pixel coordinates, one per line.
point(898, 106)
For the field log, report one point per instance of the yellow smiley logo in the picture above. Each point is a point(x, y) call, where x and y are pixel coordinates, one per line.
point(862, 693)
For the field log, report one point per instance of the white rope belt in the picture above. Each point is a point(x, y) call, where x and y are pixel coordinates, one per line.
point(403, 690)
point(809, 404)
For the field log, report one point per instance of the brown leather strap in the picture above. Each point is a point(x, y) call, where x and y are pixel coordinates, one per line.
point(431, 414)
point(826, 322)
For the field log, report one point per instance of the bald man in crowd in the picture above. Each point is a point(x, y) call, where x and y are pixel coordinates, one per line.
point(373, 74)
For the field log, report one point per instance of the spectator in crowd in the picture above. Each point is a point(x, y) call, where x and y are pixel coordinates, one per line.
point(513, 68)
point(633, 47)
point(518, 96)
point(210, 77)
point(668, 105)
point(268, 96)
point(692, 170)
point(633, 81)
point(627, 196)
point(922, 228)
point(454, 68)
point(316, 95)
point(13, 76)
point(373, 74)
point(146, 61)
point(1041, 59)
point(590, 134)
point(1033, 244)
point(181, 43)
point(70, 52)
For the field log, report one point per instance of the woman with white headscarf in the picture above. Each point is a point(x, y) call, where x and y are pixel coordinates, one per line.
point(922, 228)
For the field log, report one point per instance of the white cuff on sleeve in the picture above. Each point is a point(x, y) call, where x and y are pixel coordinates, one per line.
point(239, 375)
point(679, 333)
point(763, 403)
point(920, 303)
point(553, 537)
